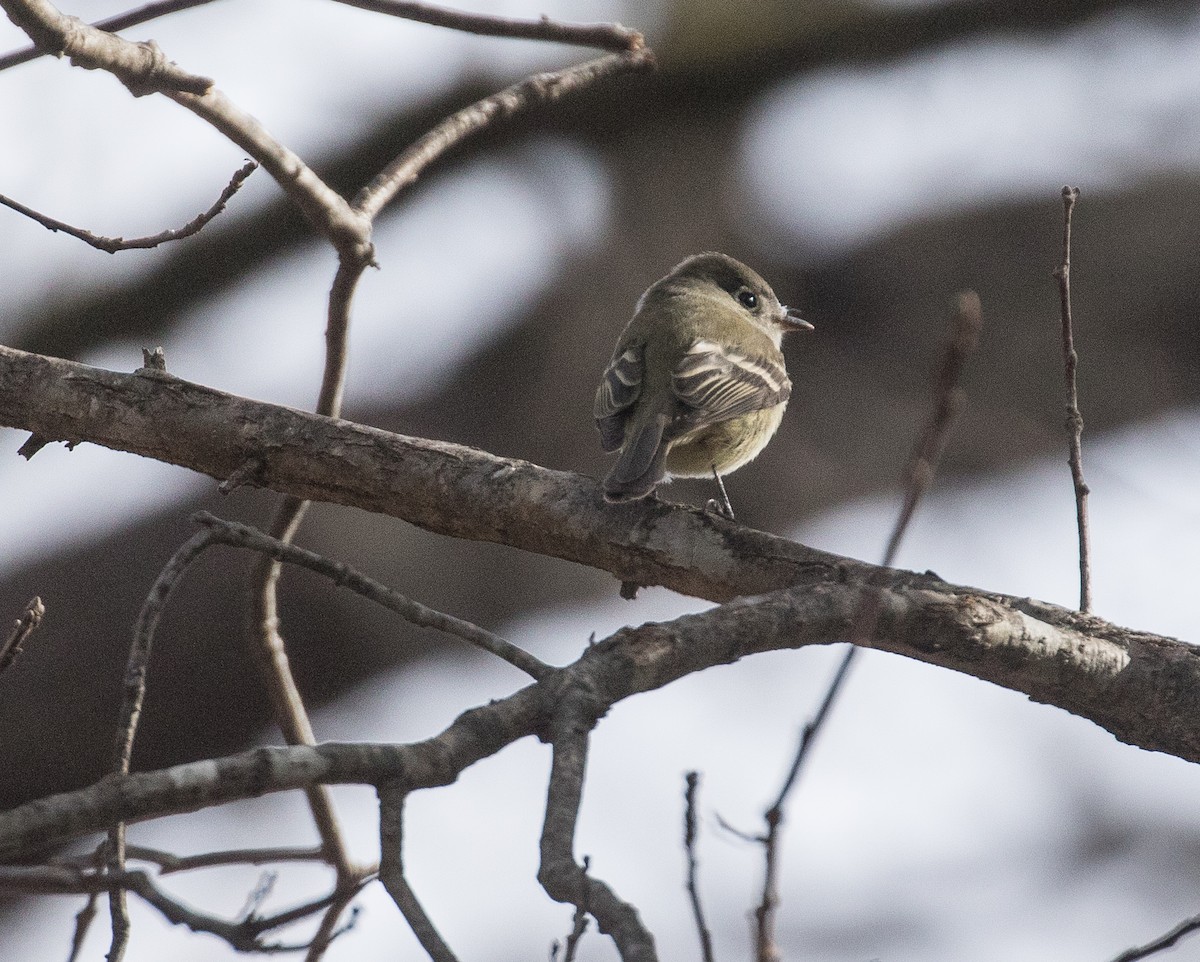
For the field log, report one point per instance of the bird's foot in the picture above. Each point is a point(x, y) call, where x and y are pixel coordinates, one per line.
point(722, 507)
point(720, 510)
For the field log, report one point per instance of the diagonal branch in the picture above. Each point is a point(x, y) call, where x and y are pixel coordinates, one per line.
point(121, 21)
point(242, 536)
point(141, 67)
point(144, 69)
point(607, 36)
point(23, 627)
point(1165, 941)
point(948, 402)
point(538, 89)
point(111, 245)
point(1144, 689)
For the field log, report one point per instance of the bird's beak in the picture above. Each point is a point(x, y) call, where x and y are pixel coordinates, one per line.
point(793, 322)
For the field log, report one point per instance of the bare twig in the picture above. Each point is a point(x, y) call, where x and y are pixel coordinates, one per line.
point(133, 698)
point(607, 36)
point(1074, 422)
point(22, 628)
point(258, 895)
point(948, 402)
point(538, 89)
point(113, 244)
point(949, 399)
point(169, 863)
point(218, 532)
point(83, 921)
point(692, 781)
point(1186, 927)
point(262, 620)
point(242, 536)
point(764, 913)
point(144, 69)
point(391, 872)
point(154, 360)
point(244, 935)
point(137, 664)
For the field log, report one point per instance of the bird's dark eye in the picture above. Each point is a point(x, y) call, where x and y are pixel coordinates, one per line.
point(748, 299)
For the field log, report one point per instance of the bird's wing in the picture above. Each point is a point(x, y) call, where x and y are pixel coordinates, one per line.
point(619, 388)
point(716, 383)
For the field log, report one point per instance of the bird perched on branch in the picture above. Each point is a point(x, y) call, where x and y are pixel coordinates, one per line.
point(696, 385)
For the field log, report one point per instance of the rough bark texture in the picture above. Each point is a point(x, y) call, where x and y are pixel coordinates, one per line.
point(1142, 688)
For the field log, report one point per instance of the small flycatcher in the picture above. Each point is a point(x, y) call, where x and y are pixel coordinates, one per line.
point(697, 384)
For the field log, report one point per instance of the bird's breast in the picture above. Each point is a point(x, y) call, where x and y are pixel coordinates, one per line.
point(728, 444)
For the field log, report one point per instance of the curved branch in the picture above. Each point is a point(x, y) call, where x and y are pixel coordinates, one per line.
point(144, 69)
point(110, 245)
point(579, 706)
point(538, 89)
point(1142, 688)
point(607, 36)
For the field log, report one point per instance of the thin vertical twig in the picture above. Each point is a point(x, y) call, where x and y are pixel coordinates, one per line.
point(949, 399)
point(134, 696)
point(692, 781)
point(575, 713)
point(1074, 422)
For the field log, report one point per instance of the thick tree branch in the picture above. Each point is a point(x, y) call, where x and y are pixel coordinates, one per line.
point(1140, 687)
point(446, 488)
point(122, 21)
point(580, 702)
point(1143, 688)
point(141, 67)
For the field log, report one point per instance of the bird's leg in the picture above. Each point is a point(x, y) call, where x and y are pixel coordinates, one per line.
point(722, 507)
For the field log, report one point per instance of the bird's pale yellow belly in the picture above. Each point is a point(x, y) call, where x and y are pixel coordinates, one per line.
point(728, 445)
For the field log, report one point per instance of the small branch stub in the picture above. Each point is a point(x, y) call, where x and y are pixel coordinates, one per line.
point(22, 628)
point(155, 360)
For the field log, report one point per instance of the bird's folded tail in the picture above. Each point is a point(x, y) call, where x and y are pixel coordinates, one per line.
point(641, 464)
